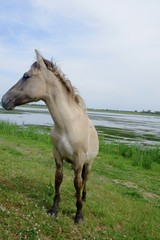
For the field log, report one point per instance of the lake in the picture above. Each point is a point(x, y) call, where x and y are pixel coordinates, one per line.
point(142, 129)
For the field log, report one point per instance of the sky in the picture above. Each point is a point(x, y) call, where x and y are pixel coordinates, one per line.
point(109, 49)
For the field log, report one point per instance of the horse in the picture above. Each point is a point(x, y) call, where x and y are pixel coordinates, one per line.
point(74, 136)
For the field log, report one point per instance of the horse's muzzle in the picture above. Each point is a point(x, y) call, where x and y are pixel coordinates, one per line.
point(7, 103)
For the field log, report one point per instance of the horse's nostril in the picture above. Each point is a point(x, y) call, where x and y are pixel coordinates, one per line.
point(3, 104)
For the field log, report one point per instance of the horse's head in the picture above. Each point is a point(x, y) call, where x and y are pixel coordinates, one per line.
point(30, 88)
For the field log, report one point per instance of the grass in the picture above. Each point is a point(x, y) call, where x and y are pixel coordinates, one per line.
point(117, 133)
point(123, 190)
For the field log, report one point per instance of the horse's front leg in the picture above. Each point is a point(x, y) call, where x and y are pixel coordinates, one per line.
point(78, 187)
point(58, 180)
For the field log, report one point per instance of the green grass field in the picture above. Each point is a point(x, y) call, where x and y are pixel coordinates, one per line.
point(123, 199)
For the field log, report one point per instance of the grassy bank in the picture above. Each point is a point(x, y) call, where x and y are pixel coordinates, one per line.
point(123, 190)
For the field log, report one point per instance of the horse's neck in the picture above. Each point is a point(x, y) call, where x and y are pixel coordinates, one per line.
point(61, 109)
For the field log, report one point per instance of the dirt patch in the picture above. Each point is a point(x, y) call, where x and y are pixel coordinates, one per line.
point(151, 195)
point(127, 184)
point(132, 185)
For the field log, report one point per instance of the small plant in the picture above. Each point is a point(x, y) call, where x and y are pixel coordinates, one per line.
point(155, 152)
point(147, 160)
point(133, 193)
point(102, 145)
point(142, 158)
point(125, 150)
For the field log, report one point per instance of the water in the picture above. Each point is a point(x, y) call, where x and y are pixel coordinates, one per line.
point(144, 128)
point(138, 125)
point(25, 116)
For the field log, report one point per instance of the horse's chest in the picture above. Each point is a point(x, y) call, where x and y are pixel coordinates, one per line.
point(65, 148)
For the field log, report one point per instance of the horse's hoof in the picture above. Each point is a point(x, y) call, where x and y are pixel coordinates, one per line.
point(52, 213)
point(84, 198)
point(78, 219)
point(84, 194)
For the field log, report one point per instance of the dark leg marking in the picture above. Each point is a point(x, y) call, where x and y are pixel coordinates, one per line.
point(58, 180)
point(78, 187)
point(84, 193)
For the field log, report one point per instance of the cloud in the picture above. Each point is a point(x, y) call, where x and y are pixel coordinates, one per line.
point(109, 49)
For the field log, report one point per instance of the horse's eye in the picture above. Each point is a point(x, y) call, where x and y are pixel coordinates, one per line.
point(26, 76)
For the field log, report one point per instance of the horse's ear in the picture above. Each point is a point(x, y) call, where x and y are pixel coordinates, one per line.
point(40, 59)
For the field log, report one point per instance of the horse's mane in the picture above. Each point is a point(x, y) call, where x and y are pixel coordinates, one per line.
point(64, 80)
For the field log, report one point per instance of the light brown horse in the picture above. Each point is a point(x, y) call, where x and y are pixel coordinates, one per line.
point(74, 136)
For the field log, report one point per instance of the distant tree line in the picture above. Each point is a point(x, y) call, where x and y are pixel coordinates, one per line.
point(149, 111)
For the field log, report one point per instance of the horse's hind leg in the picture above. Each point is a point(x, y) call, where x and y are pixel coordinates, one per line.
point(78, 187)
point(58, 180)
point(85, 174)
point(84, 192)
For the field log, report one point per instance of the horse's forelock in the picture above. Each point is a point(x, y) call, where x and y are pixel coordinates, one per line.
point(35, 65)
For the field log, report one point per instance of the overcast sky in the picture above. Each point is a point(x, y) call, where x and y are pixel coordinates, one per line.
point(109, 49)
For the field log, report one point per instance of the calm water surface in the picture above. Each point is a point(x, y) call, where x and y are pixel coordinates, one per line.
point(140, 125)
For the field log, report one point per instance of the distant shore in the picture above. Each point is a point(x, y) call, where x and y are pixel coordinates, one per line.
point(143, 112)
